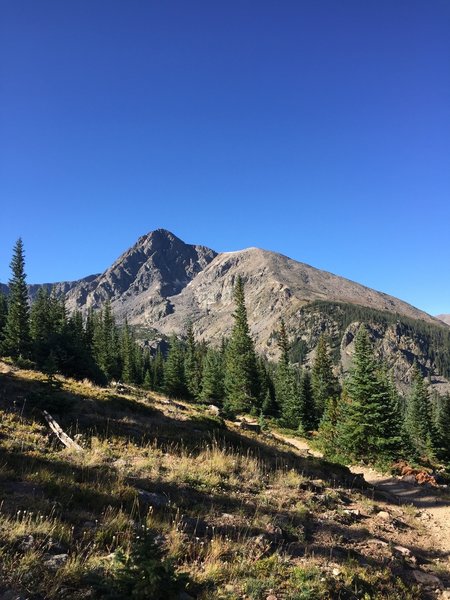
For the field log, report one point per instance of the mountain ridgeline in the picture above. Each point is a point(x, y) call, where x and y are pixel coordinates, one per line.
point(161, 284)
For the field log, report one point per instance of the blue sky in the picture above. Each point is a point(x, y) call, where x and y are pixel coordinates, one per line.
point(319, 129)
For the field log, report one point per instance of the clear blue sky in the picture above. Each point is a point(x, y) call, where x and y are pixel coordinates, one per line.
point(319, 129)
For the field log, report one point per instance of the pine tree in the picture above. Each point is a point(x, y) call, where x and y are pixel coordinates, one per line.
point(128, 355)
point(174, 376)
point(308, 420)
point(442, 428)
point(324, 383)
point(157, 366)
point(241, 373)
point(369, 429)
point(267, 402)
point(328, 427)
point(286, 385)
point(192, 366)
point(417, 424)
point(79, 361)
point(3, 317)
point(17, 340)
point(212, 389)
point(105, 343)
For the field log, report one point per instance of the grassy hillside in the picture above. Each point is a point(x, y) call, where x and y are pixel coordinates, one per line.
point(165, 500)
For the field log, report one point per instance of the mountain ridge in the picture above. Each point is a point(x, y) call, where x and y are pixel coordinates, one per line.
point(161, 284)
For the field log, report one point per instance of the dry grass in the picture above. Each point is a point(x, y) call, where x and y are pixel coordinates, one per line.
point(236, 513)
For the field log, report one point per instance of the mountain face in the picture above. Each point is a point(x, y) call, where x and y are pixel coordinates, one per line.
point(140, 281)
point(162, 283)
point(444, 318)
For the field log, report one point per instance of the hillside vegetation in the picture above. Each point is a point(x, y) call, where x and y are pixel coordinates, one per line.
point(165, 500)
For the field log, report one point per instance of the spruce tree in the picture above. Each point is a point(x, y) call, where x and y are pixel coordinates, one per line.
point(241, 373)
point(174, 375)
point(324, 383)
point(3, 317)
point(328, 428)
point(308, 420)
point(212, 389)
point(157, 367)
point(442, 428)
point(369, 429)
point(268, 404)
point(17, 340)
point(286, 385)
point(192, 366)
point(418, 424)
point(128, 355)
point(105, 343)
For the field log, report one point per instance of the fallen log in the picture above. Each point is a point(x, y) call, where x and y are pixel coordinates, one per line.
point(60, 434)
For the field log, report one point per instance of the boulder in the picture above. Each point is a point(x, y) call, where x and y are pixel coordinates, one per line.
point(153, 499)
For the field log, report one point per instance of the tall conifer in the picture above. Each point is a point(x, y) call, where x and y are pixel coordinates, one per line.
point(174, 375)
point(369, 429)
point(418, 424)
point(17, 340)
point(324, 383)
point(241, 373)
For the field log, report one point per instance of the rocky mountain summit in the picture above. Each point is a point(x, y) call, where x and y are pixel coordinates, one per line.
point(139, 283)
point(161, 283)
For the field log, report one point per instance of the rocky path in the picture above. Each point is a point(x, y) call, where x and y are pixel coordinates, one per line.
point(433, 506)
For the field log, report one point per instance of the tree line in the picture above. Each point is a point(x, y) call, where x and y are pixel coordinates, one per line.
point(365, 418)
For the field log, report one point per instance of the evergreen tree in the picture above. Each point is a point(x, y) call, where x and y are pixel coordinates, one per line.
point(212, 389)
point(328, 427)
point(417, 424)
point(3, 317)
point(105, 343)
point(157, 366)
point(324, 383)
point(286, 385)
point(369, 428)
point(129, 355)
point(241, 373)
point(79, 361)
point(267, 402)
point(192, 366)
point(174, 376)
point(17, 340)
point(308, 420)
point(442, 428)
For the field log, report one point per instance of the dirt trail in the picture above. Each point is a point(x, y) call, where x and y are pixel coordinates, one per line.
point(433, 506)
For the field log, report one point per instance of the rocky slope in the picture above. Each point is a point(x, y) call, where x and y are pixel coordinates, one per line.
point(139, 283)
point(444, 318)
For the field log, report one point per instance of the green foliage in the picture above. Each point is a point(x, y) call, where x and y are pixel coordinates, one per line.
point(131, 357)
point(442, 428)
point(369, 424)
point(286, 385)
point(3, 316)
point(417, 424)
point(241, 373)
point(308, 420)
point(105, 342)
point(328, 435)
point(143, 574)
point(16, 333)
point(211, 387)
point(324, 383)
point(174, 375)
point(192, 365)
